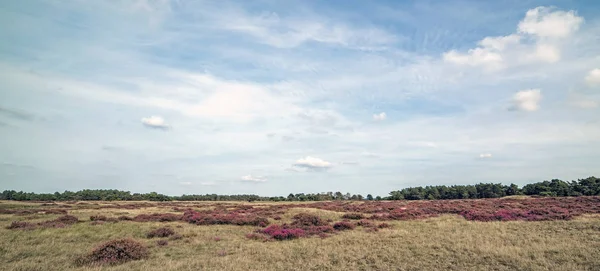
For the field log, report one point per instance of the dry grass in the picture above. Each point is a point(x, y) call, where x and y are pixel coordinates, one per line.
point(442, 243)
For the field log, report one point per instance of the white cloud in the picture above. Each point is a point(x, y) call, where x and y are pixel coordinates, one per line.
point(499, 43)
point(527, 100)
point(547, 53)
point(256, 179)
point(208, 183)
point(543, 25)
point(488, 55)
point(155, 122)
point(186, 183)
point(380, 117)
point(475, 57)
point(549, 22)
point(312, 163)
point(485, 155)
point(593, 77)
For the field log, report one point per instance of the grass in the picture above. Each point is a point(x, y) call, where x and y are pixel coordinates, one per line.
point(447, 242)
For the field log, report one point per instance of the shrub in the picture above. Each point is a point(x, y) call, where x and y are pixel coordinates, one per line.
point(162, 243)
point(125, 218)
point(115, 252)
point(56, 212)
point(343, 225)
point(21, 225)
point(278, 232)
point(316, 230)
point(384, 226)
point(67, 219)
point(160, 232)
point(60, 222)
point(323, 235)
point(355, 216)
point(372, 229)
point(304, 219)
point(98, 218)
point(277, 217)
point(200, 218)
point(157, 217)
point(365, 223)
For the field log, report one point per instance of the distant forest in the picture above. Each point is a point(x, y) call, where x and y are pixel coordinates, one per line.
point(554, 188)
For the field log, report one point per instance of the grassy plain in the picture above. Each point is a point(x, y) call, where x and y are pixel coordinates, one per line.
point(447, 242)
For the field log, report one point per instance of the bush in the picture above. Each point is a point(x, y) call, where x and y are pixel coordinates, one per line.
point(304, 219)
point(21, 225)
point(125, 218)
point(355, 216)
point(365, 223)
point(160, 232)
point(157, 217)
point(199, 218)
point(162, 243)
point(372, 229)
point(318, 230)
point(278, 232)
point(115, 252)
point(98, 218)
point(384, 226)
point(60, 222)
point(55, 212)
point(343, 225)
point(67, 219)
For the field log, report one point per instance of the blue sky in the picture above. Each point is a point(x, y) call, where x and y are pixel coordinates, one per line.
point(273, 97)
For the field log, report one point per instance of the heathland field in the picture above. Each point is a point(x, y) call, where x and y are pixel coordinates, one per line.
point(516, 233)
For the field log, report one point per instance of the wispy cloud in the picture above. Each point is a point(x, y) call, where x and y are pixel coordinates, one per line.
point(255, 179)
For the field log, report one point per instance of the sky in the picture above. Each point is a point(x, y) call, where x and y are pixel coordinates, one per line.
point(276, 97)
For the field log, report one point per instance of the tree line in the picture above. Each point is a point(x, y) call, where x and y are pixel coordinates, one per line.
point(556, 188)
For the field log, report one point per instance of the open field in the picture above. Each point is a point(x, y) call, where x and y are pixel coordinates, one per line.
point(489, 234)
